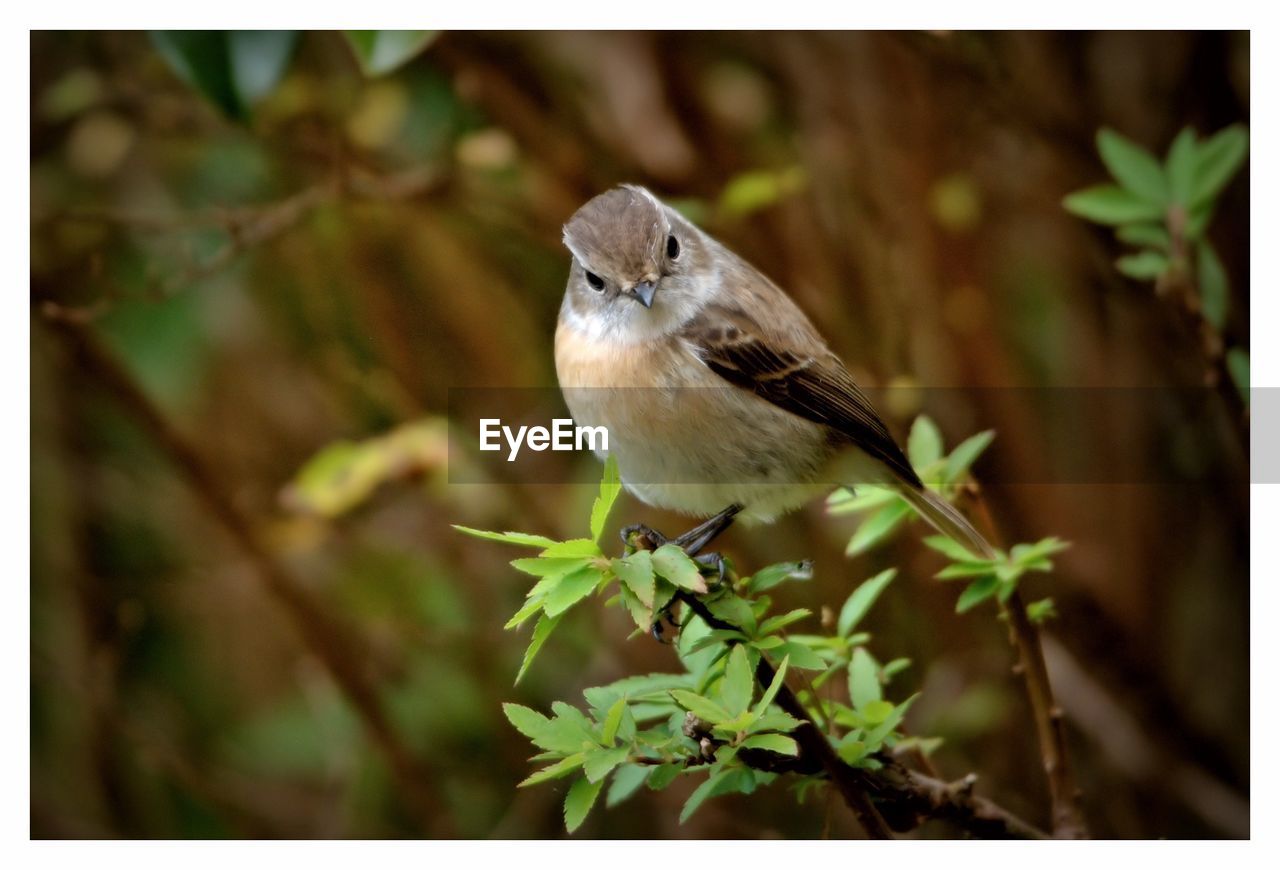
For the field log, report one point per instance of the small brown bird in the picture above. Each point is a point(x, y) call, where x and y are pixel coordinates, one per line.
point(718, 393)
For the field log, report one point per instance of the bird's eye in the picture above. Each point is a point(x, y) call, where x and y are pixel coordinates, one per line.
point(595, 280)
point(673, 247)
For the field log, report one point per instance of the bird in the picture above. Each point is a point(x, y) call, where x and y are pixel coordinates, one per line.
point(720, 397)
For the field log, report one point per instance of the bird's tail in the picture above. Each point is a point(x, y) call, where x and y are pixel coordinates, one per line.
point(946, 519)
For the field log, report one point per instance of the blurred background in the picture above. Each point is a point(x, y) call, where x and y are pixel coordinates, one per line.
point(260, 262)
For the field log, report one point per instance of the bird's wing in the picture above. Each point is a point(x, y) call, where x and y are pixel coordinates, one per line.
point(797, 373)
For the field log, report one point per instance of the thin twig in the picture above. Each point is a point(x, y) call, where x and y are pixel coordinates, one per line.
point(1064, 796)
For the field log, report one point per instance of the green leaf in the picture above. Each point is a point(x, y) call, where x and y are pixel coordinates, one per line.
point(571, 589)
point(640, 614)
point(738, 685)
point(380, 51)
point(636, 572)
point(1042, 611)
point(1238, 366)
point(704, 708)
point(613, 720)
point(520, 539)
point(771, 742)
point(610, 486)
point(967, 453)
point(561, 768)
point(846, 501)
point(1144, 265)
point(961, 570)
point(233, 69)
point(1111, 205)
point(775, 685)
point(1217, 160)
point(627, 779)
point(864, 679)
point(774, 624)
point(1145, 236)
point(875, 712)
point(1180, 166)
point(664, 775)
point(977, 592)
point(860, 601)
point(924, 444)
point(721, 781)
point(767, 578)
point(774, 722)
point(1212, 281)
point(801, 656)
point(541, 631)
point(530, 723)
point(524, 613)
point(541, 566)
point(599, 762)
point(1025, 554)
point(672, 563)
point(948, 548)
point(1134, 167)
point(577, 803)
point(877, 527)
point(876, 735)
point(584, 548)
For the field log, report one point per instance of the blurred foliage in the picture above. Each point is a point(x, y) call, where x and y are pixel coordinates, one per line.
point(281, 269)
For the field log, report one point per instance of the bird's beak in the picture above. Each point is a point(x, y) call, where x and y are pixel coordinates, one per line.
point(643, 293)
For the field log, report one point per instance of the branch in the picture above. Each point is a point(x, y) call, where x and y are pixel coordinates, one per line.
point(322, 635)
point(1064, 796)
point(907, 798)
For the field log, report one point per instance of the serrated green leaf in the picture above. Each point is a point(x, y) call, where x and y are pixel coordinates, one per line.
point(578, 802)
point(948, 548)
point(572, 588)
point(561, 768)
point(524, 613)
point(1218, 159)
point(924, 443)
point(546, 624)
point(776, 721)
point(663, 775)
point(875, 712)
point(576, 548)
point(640, 614)
point(542, 566)
point(1214, 289)
point(775, 686)
point(1180, 166)
point(738, 685)
point(965, 454)
point(864, 679)
point(612, 721)
point(801, 656)
point(599, 762)
point(1111, 205)
point(774, 624)
point(772, 743)
point(636, 571)
point(721, 781)
point(380, 51)
point(977, 592)
point(519, 539)
point(876, 736)
point(704, 708)
point(674, 564)
point(876, 527)
point(528, 722)
point(1134, 167)
point(610, 486)
point(767, 578)
point(860, 601)
point(1144, 265)
point(626, 780)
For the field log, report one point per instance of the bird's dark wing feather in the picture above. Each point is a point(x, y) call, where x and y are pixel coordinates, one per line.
point(814, 386)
